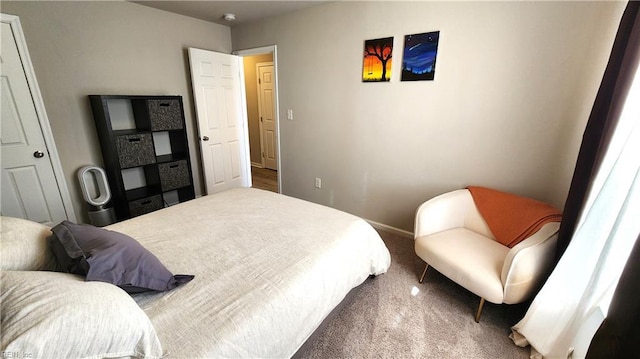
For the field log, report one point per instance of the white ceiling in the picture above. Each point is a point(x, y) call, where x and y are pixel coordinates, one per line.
point(245, 11)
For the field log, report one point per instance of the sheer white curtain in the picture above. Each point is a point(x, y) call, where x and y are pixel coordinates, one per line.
point(571, 305)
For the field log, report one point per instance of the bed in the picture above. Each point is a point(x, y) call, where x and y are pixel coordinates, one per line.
point(268, 270)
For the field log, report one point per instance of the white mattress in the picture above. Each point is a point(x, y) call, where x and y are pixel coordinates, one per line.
point(268, 269)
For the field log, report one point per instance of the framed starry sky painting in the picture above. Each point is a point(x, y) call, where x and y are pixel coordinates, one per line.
point(419, 57)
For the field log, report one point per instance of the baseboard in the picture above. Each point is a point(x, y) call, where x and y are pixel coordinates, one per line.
point(394, 230)
point(256, 164)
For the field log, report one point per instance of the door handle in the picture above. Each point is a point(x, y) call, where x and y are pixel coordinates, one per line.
point(205, 138)
point(38, 154)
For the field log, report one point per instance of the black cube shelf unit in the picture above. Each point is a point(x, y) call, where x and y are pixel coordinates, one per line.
point(145, 151)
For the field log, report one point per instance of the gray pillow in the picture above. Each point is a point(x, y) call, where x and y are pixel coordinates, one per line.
point(109, 256)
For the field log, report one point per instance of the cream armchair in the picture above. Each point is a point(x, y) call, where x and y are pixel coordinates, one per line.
point(452, 237)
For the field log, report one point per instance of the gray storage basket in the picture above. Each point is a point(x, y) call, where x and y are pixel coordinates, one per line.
point(145, 205)
point(174, 175)
point(135, 150)
point(165, 115)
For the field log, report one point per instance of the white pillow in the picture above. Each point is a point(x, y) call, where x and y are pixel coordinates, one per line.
point(59, 315)
point(23, 245)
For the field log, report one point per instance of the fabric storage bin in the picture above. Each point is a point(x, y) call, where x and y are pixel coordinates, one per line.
point(174, 175)
point(165, 115)
point(135, 150)
point(145, 205)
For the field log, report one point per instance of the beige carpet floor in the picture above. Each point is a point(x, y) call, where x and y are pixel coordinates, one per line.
point(394, 316)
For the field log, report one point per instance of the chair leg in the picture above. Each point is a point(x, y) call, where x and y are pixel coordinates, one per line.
point(423, 273)
point(479, 312)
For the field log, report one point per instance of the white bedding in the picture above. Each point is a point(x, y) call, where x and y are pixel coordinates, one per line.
point(268, 269)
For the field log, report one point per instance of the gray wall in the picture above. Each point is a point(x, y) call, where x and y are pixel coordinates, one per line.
point(82, 48)
point(514, 85)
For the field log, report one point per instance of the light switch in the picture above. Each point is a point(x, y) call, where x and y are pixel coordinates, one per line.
point(289, 114)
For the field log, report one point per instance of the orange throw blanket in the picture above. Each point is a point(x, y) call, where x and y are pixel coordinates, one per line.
point(512, 218)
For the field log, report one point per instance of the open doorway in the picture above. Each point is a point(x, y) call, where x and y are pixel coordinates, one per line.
point(262, 116)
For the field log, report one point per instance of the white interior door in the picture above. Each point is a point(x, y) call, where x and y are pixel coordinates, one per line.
point(266, 107)
point(219, 101)
point(30, 188)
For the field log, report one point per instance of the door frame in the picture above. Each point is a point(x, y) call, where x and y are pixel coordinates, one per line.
point(270, 49)
point(43, 120)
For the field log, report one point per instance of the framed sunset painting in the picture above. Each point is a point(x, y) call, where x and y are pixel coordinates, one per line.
point(419, 57)
point(376, 63)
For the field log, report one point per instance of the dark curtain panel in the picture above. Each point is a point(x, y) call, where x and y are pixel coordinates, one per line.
point(619, 334)
point(607, 107)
